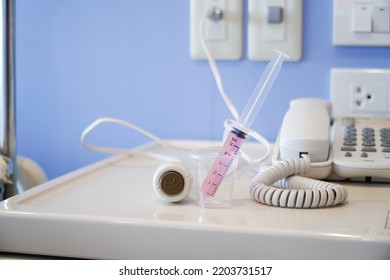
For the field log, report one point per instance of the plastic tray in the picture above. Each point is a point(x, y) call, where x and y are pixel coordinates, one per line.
point(108, 210)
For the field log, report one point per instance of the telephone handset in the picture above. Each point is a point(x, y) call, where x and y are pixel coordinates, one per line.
point(347, 147)
point(306, 130)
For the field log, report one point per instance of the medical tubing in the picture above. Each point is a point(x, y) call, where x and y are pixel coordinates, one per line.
point(275, 186)
point(214, 69)
point(128, 152)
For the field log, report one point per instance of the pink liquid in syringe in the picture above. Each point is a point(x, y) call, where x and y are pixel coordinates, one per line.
point(221, 166)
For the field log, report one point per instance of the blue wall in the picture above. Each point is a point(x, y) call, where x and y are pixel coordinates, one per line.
point(78, 60)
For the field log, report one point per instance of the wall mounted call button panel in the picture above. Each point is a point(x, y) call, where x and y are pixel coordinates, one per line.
point(361, 22)
point(274, 24)
point(222, 28)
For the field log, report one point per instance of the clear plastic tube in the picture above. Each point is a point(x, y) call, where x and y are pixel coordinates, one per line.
point(261, 91)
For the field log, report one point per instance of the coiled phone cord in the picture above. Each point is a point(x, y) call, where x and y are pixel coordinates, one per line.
point(294, 191)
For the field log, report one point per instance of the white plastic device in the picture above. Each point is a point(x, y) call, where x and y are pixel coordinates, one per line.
point(311, 138)
point(361, 147)
point(347, 147)
point(219, 23)
point(172, 181)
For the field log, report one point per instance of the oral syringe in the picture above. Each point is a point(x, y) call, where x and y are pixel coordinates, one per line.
point(241, 127)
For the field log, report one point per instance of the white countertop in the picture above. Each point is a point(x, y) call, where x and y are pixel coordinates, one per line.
point(109, 210)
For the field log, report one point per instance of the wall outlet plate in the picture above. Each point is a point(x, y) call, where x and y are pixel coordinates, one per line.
point(360, 91)
point(265, 35)
point(223, 37)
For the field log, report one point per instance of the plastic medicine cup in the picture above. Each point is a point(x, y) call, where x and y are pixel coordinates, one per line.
point(203, 161)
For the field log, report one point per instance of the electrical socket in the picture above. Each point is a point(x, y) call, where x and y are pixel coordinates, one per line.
point(366, 97)
point(360, 91)
point(223, 36)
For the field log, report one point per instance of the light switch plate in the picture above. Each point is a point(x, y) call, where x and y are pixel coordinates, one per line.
point(223, 37)
point(348, 30)
point(265, 36)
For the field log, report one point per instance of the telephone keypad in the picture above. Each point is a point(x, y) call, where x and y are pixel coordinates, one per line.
point(385, 139)
point(349, 138)
point(361, 147)
point(368, 141)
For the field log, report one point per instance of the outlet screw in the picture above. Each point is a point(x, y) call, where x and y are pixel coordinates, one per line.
point(215, 14)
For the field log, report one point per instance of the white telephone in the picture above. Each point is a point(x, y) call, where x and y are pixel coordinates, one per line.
point(347, 147)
